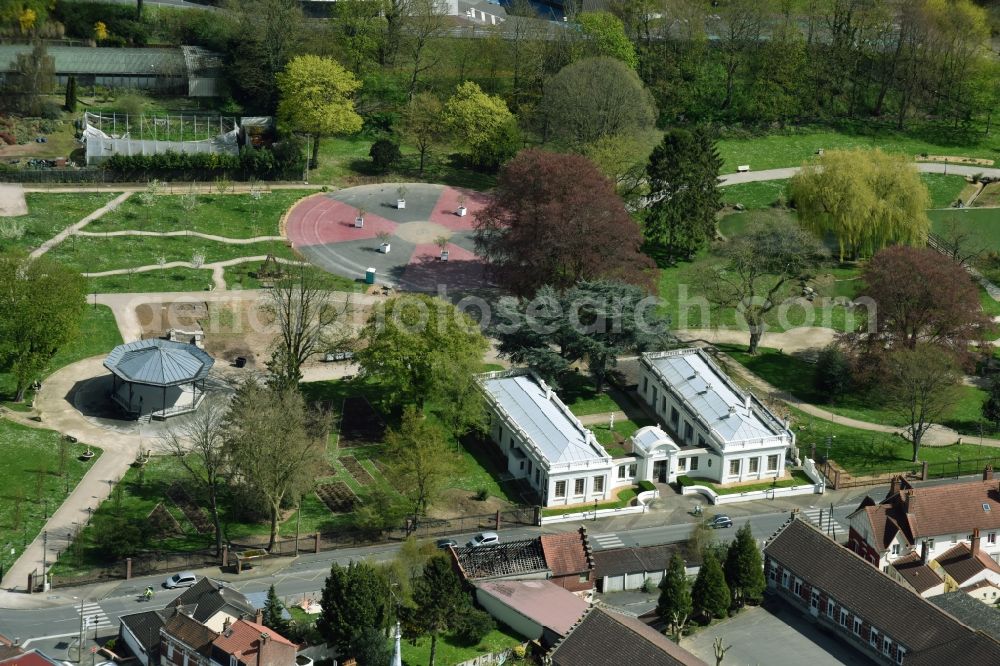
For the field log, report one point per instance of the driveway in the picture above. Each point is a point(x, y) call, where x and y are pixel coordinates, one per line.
point(790, 640)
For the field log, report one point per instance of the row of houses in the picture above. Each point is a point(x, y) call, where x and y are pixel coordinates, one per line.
point(707, 428)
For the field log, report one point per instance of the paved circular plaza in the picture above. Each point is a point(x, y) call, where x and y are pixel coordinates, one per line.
point(322, 228)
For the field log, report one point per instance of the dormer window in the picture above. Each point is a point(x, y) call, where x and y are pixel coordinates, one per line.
point(232, 660)
point(986, 507)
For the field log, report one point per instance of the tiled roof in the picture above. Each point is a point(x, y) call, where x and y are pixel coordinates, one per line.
point(504, 560)
point(732, 414)
point(243, 638)
point(960, 564)
point(545, 421)
point(159, 362)
point(30, 658)
point(189, 631)
point(145, 627)
point(971, 611)
point(207, 597)
point(933, 511)
point(619, 561)
point(567, 553)
point(544, 602)
point(607, 638)
point(918, 575)
point(929, 635)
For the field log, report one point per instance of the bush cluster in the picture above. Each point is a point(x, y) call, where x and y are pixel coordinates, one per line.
point(283, 161)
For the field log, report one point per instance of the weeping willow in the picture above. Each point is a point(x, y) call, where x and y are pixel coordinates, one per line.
point(866, 199)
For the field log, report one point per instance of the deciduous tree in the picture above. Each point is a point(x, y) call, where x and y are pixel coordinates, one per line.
point(683, 176)
point(866, 198)
point(554, 219)
point(270, 445)
point(674, 606)
point(605, 35)
point(991, 405)
point(921, 296)
point(594, 98)
point(266, 35)
point(710, 594)
point(421, 123)
point(476, 120)
point(424, 352)
point(921, 385)
point(756, 266)
point(32, 78)
point(420, 462)
point(41, 305)
point(317, 98)
point(744, 568)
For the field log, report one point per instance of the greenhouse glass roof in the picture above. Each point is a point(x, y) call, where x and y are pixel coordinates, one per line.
point(103, 61)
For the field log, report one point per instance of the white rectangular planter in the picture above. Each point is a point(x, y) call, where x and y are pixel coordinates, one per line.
point(461, 211)
point(444, 255)
point(384, 248)
point(400, 203)
point(359, 222)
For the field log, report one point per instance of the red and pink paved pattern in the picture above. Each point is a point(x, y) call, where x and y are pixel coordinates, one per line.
point(322, 228)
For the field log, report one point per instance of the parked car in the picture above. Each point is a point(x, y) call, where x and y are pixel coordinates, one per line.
point(445, 544)
point(182, 579)
point(484, 539)
point(719, 521)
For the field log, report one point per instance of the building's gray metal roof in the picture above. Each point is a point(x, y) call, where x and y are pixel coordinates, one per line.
point(159, 362)
point(103, 61)
point(544, 419)
point(726, 409)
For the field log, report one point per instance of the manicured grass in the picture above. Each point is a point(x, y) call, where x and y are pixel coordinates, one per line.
point(48, 214)
point(95, 254)
point(991, 307)
point(240, 277)
point(449, 651)
point(990, 196)
point(792, 374)
point(791, 149)
point(167, 279)
point(944, 190)
point(579, 394)
point(228, 215)
point(794, 478)
point(762, 194)
point(624, 428)
point(344, 161)
point(982, 224)
point(625, 497)
point(32, 485)
point(98, 335)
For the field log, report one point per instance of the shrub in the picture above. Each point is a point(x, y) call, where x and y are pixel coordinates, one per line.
point(646, 486)
point(473, 626)
point(483, 495)
point(384, 154)
point(833, 372)
point(502, 146)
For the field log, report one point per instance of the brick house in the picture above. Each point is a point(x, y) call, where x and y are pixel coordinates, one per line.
point(864, 607)
point(245, 643)
point(185, 642)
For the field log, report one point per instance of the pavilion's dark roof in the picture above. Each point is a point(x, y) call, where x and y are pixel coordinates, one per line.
point(971, 611)
point(159, 362)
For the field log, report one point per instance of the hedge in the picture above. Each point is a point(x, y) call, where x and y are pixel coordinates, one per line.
point(282, 162)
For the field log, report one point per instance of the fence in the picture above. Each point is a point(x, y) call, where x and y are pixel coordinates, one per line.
point(839, 478)
point(149, 563)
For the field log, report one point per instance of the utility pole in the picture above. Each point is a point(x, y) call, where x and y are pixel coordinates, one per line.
point(45, 557)
point(79, 654)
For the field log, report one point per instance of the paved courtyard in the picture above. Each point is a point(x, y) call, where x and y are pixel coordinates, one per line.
point(322, 229)
point(772, 636)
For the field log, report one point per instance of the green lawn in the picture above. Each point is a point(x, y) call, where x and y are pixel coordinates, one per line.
point(762, 194)
point(34, 482)
point(48, 214)
point(228, 215)
point(982, 224)
point(625, 497)
point(449, 651)
point(167, 279)
point(344, 161)
point(96, 254)
point(792, 374)
point(795, 478)
point(624, 428)
point(578, 393)
point(98, 335)
point(785, 150)
point(944, 190)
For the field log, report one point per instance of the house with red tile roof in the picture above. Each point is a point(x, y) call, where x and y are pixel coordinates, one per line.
point(569, 559)
point(184, 641)
point(937, 518)
point(245, 643)
point(29, 658)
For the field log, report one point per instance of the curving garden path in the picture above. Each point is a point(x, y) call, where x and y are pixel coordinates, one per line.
point(194, 234)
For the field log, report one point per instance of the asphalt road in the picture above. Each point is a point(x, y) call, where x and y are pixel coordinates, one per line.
point(55, 630)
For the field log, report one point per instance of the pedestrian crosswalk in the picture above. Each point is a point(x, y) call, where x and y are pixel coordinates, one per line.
point(93, 616)
point(605, 541)
point(821, 518)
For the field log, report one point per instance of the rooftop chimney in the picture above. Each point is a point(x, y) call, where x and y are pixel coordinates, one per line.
point(975, 542)
point(988, 473)
point(924, 552)
point(911, 502)
point(746, 401)
point(894, 486)
point(260, 649)
point(260, 616)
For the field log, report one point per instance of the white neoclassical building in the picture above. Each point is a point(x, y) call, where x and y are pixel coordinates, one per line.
point(716, 430)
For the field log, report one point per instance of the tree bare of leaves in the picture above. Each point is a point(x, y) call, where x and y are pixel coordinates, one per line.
point(426, 22)
point(922, 386)
point(199, 445)
point(310, 320)
point(958, 243)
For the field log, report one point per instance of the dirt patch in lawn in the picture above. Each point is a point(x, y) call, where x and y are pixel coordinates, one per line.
point(456, 503)
point(360, 424)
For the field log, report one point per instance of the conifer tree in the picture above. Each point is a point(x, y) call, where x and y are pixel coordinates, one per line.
point(674, 605)
point(744, 568)
point(710, 594)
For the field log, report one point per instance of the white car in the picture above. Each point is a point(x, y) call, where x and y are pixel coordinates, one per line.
point(182, 579)
point(484, 539)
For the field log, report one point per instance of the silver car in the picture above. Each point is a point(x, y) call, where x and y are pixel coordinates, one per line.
point(182, 579)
